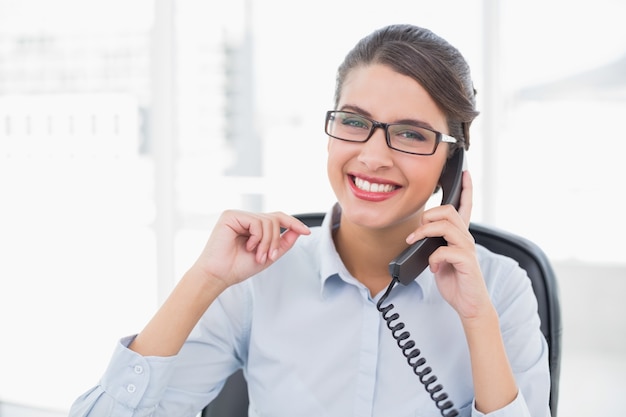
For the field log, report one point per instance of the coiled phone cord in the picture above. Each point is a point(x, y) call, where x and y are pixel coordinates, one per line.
point(412, 355)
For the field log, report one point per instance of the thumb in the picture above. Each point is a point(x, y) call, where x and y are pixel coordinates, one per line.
point(288, 238)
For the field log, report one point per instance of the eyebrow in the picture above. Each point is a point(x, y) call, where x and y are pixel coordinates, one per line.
point(363, 112)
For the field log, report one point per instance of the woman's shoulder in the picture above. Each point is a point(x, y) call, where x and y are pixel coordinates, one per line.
point(499, 269)
point(507, 282)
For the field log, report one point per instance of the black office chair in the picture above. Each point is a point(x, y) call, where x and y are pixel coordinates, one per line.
point(233, 399)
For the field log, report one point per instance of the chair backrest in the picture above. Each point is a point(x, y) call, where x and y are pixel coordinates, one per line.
point(233, 399)
point(544, 282)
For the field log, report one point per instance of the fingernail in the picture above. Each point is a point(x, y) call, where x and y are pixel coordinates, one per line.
point(409, 238)
point(274, 254)
point(263, 258)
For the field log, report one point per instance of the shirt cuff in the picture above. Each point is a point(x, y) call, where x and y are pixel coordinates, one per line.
point(516, 408)
point(134, 380)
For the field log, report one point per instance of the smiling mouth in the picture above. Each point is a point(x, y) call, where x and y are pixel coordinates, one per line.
point(371, 187)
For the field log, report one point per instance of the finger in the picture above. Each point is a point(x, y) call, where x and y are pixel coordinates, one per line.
point(270, 245)
point(467, 196)
point(439, 213)
point(448, 255)
point(270, 234)
point(274, 243)
point(292, 223)
point(253, 230)
point(444, 222)
point(293, 228)
point(287, 240)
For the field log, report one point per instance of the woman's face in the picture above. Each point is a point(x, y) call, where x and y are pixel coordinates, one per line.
point(376, 186)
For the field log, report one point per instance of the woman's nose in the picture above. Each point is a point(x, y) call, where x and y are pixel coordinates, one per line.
point(375, 153)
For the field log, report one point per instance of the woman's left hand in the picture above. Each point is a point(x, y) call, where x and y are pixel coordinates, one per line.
point(456, 268)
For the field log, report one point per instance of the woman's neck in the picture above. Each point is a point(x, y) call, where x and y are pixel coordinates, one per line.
point(366, 253)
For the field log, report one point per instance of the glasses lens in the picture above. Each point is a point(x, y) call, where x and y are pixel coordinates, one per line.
point(413, 139)
point(348, 126)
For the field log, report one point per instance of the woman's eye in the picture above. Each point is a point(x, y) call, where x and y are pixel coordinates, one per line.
point(355, 122)
point(409, 134)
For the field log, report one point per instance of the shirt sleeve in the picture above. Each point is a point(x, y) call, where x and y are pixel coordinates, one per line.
point(132, 385)
point(180, 385)
point(525, 345)
point(516, 408)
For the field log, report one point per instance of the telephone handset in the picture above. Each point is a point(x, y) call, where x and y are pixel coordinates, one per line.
point(405, 268)
point(414, 259)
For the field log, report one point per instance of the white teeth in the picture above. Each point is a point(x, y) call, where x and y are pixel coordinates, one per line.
point(373, 188)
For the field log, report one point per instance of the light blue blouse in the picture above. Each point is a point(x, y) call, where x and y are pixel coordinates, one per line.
point(311, 342)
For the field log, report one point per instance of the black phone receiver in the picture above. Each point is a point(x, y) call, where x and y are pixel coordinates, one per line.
point(414, 259)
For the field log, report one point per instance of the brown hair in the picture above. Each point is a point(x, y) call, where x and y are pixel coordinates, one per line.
point(428, 59)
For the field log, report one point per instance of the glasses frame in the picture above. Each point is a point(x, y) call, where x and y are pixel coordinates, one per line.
point(440, 137)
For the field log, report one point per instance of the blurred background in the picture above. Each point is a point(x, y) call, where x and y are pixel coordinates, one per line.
point(127, 127)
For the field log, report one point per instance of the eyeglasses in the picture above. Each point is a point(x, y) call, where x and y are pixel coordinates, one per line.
point(403, 137)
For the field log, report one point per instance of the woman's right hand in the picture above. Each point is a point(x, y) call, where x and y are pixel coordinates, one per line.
point(240, 245)
point(244, 243)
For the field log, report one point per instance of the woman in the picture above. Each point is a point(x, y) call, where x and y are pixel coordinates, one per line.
point(298, 310)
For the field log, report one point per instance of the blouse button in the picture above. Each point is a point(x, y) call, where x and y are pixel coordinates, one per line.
point(131, 388)
point(138, 369)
